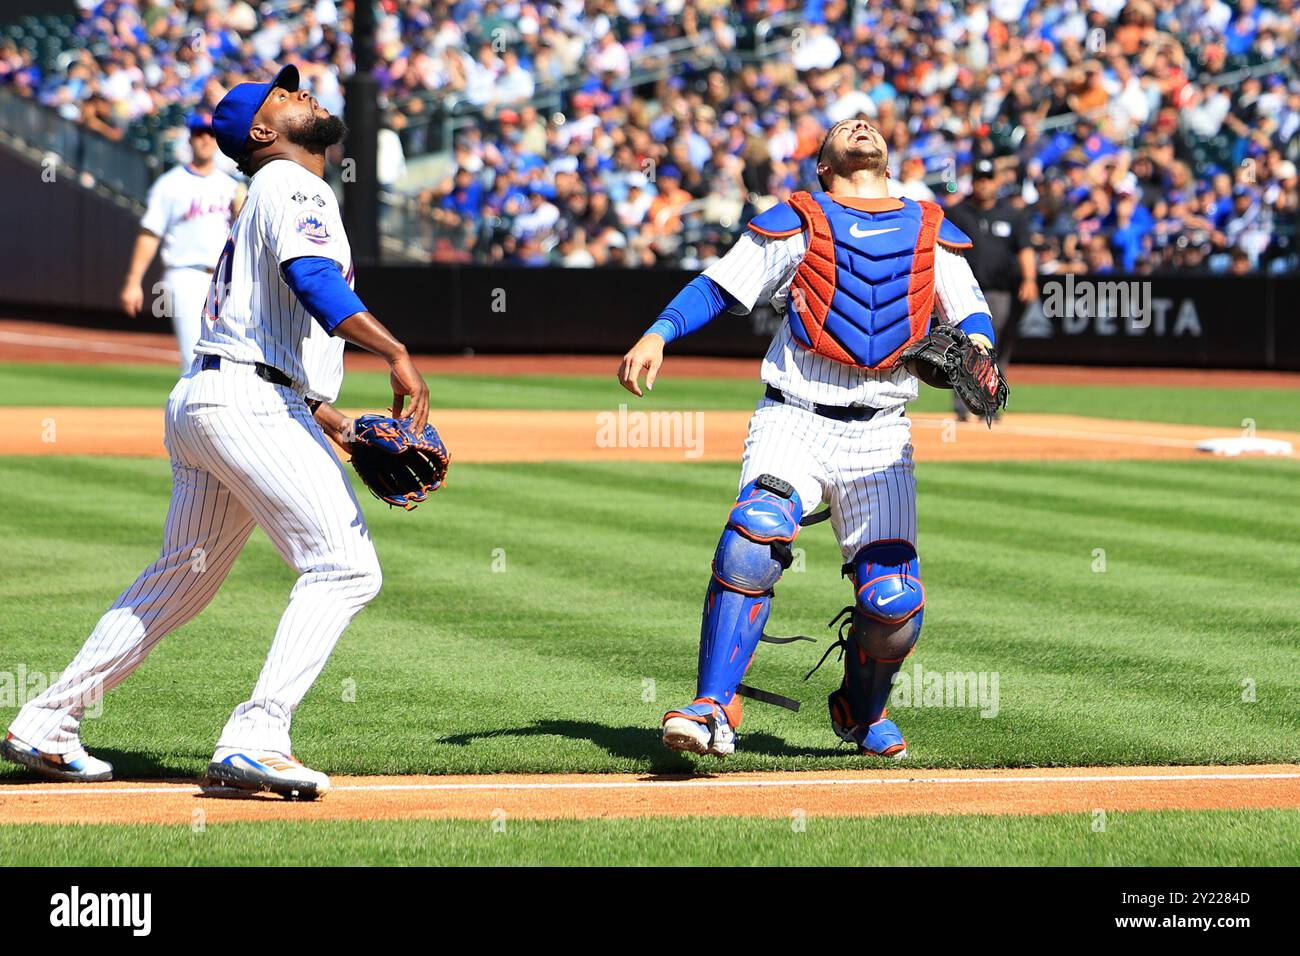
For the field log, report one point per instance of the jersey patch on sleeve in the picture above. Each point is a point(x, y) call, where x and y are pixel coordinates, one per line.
point(312, 228)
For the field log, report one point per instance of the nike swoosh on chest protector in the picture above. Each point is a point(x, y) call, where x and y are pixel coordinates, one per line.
point(858, 232)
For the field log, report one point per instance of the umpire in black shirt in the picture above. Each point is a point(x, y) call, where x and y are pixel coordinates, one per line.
point(1002, 256)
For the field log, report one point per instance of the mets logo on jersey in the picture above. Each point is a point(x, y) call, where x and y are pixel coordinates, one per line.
point(312, 228)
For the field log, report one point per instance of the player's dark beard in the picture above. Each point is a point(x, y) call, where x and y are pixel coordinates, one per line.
point(315, 133)
point(873, 160)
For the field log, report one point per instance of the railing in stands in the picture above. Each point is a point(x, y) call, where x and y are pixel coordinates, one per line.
point(40, 131)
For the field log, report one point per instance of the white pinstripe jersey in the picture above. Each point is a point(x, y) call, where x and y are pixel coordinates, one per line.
point(251, 314)
point(191, 212)
point(759, 269)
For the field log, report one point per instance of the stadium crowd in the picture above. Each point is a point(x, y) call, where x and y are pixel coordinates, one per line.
point(1141, 135)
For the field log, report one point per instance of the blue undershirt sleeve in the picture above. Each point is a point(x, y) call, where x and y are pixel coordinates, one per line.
point(698, 304)
point(322, 290)
point(978, 323)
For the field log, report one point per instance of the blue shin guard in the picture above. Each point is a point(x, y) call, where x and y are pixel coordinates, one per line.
point(887, 617)
point(752, 554)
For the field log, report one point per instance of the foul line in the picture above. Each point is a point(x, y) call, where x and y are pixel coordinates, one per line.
point(194, 790)
point(86, 345)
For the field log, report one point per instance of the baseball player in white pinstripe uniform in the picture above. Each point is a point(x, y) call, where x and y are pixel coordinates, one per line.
point(188, 216)
point(857, 275)
point(246, 430)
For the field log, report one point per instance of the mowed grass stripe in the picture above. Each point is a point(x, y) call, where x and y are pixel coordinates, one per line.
point(1153, 838)
point(541, 618)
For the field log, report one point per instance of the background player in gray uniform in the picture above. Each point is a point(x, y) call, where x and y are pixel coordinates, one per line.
point(246, 429)
point(189, 213)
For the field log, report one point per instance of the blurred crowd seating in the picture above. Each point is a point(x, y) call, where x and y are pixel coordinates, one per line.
point(1144, 135)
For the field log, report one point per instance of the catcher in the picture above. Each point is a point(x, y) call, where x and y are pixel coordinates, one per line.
point(857, 275)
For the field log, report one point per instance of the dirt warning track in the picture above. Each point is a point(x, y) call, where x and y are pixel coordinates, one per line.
point(846, 793)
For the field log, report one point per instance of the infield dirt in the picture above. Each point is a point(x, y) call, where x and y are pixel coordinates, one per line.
point(852, 792)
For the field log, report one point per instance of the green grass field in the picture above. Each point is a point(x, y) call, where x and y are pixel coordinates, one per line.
point(1166, 838)
point(540, 618)
point(543, 666)
point(141, 385)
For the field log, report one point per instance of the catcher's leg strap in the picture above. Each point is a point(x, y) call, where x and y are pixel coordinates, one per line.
point(751, 555)
point(887, 612)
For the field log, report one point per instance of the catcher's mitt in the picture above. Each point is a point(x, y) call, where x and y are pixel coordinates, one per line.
point(947, 358)
point(398, 465)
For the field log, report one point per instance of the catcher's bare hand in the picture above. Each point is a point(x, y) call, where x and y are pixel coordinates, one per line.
point(406, 380)
point(646, 356)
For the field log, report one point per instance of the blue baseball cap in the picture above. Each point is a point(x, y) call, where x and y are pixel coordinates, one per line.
point(234, 114)
point(199, 121)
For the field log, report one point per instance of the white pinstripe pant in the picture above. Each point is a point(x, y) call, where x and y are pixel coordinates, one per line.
point(243, 452)
point(863, 470)
point(189, 293)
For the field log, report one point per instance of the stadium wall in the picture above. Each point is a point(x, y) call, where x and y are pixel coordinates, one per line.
point(65, 249)
point(1187, 321)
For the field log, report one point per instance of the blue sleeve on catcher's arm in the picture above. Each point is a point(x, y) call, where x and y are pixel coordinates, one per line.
point(322, 290)
point(702, 301)
point(978, 323)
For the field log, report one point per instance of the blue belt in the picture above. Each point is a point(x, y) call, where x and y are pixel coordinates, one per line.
point(264, 372)
point(841, 413)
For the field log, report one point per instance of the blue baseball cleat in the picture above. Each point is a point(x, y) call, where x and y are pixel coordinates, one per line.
point(700, 728)
point(881, 739)
point(76, 767)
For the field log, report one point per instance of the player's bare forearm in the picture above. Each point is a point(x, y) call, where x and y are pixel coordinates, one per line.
point(646, 356)
point(364, 330)
point(146, 247)
point(335, 424)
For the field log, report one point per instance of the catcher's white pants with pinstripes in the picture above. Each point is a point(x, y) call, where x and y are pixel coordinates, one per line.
point(863, 470)
point(243, 452)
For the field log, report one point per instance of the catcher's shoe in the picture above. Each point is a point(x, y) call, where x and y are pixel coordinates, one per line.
point(881, 739)
point(700, 728)
point(265, 770)
point(77, 766)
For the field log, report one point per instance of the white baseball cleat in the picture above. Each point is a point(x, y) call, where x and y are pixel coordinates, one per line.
point(700, 728)
point(259, 770)
point(76, 766)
